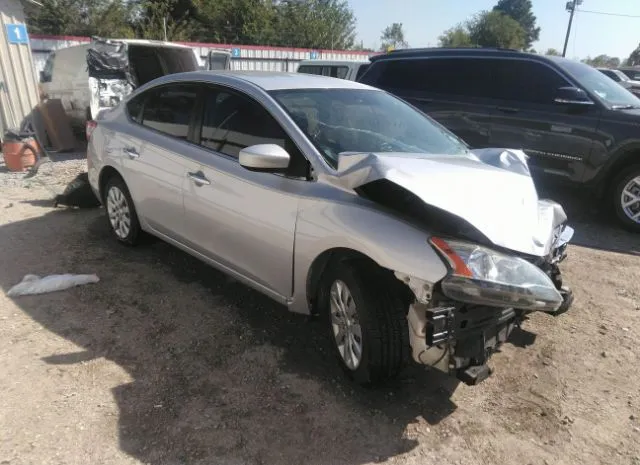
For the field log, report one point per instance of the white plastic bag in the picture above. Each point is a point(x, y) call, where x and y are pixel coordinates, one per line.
point(33, 284)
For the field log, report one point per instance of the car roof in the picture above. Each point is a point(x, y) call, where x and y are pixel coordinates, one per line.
point(266, 80)
point(463, 51)
point(332, 62)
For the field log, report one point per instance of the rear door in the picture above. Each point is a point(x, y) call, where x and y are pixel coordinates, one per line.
point(152, 154)
point(558, 138)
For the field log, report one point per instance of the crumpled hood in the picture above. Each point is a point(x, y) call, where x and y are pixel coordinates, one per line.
point(490, 188)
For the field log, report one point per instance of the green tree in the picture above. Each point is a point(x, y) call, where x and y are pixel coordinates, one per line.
point(325, 24)
point(602, 61)
point(237, 21)
point(457, 36)
point(359, 47)
point(112, 18)
point(634, 58)
point(552, 52)
point(521, 11)
point(171, 16)
point(494, 29)
point(393, 37)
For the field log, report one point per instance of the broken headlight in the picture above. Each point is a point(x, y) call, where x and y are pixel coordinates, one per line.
point(483, 276)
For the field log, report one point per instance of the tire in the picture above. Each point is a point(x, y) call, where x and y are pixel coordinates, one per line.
point(626, 183)
point(380, 313)
point(121, 212)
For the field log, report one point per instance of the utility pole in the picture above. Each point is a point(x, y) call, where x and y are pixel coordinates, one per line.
point(571, 6)
point(164, 27)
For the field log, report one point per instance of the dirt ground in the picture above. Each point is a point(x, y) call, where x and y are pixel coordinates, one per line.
point(166, 361)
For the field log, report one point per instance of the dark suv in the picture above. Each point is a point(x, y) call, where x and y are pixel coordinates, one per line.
point(576, 124)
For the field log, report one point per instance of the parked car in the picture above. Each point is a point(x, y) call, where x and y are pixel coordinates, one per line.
point(335, 198)
point(622, 79)
point(218, 60)
point(633, 72)
point(350, 70)
point(97, 75)
point(576, 125)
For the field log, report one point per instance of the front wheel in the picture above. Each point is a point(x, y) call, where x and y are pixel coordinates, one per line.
point(366, 315)
point(626, 197)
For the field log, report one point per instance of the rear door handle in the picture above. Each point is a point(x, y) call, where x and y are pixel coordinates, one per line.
point(131, 152)
point(199, 178)
point(508, 110)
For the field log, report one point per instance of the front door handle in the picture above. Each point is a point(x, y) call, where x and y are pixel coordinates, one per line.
point(199, 178)
point(131, 152)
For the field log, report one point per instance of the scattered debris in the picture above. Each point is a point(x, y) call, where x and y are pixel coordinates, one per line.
point(33, 284)
point(78, 193)
point(603, 354)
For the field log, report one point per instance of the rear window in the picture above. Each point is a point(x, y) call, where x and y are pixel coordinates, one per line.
point(485, 78)
point(325, 70)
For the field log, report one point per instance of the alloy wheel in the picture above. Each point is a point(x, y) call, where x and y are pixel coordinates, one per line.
point(630, 199)
point(345, 323)
point(119, 212)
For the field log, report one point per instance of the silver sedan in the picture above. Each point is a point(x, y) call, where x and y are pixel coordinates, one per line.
point(337, 199)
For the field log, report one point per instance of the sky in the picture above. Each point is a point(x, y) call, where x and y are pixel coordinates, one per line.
point(424, 20)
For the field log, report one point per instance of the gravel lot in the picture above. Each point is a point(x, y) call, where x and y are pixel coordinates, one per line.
point(167, 362)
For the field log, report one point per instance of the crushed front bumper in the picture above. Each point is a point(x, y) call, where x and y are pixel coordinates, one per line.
point(460, 339)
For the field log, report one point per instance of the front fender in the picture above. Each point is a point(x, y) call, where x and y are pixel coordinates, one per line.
point(387, 240)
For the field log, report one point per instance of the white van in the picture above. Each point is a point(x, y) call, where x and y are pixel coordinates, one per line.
point(350, 70)
point(97, 75)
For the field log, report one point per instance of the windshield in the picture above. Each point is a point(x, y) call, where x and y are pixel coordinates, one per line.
point(609, 91)
point(362, 120)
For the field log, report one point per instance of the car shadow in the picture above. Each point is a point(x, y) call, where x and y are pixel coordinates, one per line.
point(595, 227)
point(220, 374)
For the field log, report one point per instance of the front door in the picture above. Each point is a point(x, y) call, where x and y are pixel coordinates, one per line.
point(243, 220)
point(558, 138)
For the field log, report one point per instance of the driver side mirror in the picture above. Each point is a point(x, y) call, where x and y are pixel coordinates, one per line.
point(572, 96)
point(268, 158)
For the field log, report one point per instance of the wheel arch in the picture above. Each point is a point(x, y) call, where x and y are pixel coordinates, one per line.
point(628, 157)
point(322, 262)
point(106, 173)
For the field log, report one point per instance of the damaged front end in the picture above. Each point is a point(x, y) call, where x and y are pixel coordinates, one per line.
point(457, 324)
point(501, 245)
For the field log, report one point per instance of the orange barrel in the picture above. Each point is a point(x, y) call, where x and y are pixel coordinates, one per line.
point(20, 155)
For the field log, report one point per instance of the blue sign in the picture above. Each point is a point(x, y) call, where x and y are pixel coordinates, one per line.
point(314, 55)
point(235, 52)
point(17, 34)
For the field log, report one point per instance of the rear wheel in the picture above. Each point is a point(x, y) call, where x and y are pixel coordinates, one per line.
point(121, 212)
point(626, 197)
point(366, 316)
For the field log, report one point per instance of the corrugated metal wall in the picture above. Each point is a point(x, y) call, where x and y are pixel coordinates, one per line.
point(245, 57)
point(18, 83)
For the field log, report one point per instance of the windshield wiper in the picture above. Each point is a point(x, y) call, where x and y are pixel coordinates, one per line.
point(623, 107)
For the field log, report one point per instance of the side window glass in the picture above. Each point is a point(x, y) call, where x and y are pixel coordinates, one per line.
point(232, 122)
point(340, 72)
point(361, 71)
point(134, 108)
point(306, 69)
point(169, 110)
point(514, 76)
point(450, 76)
